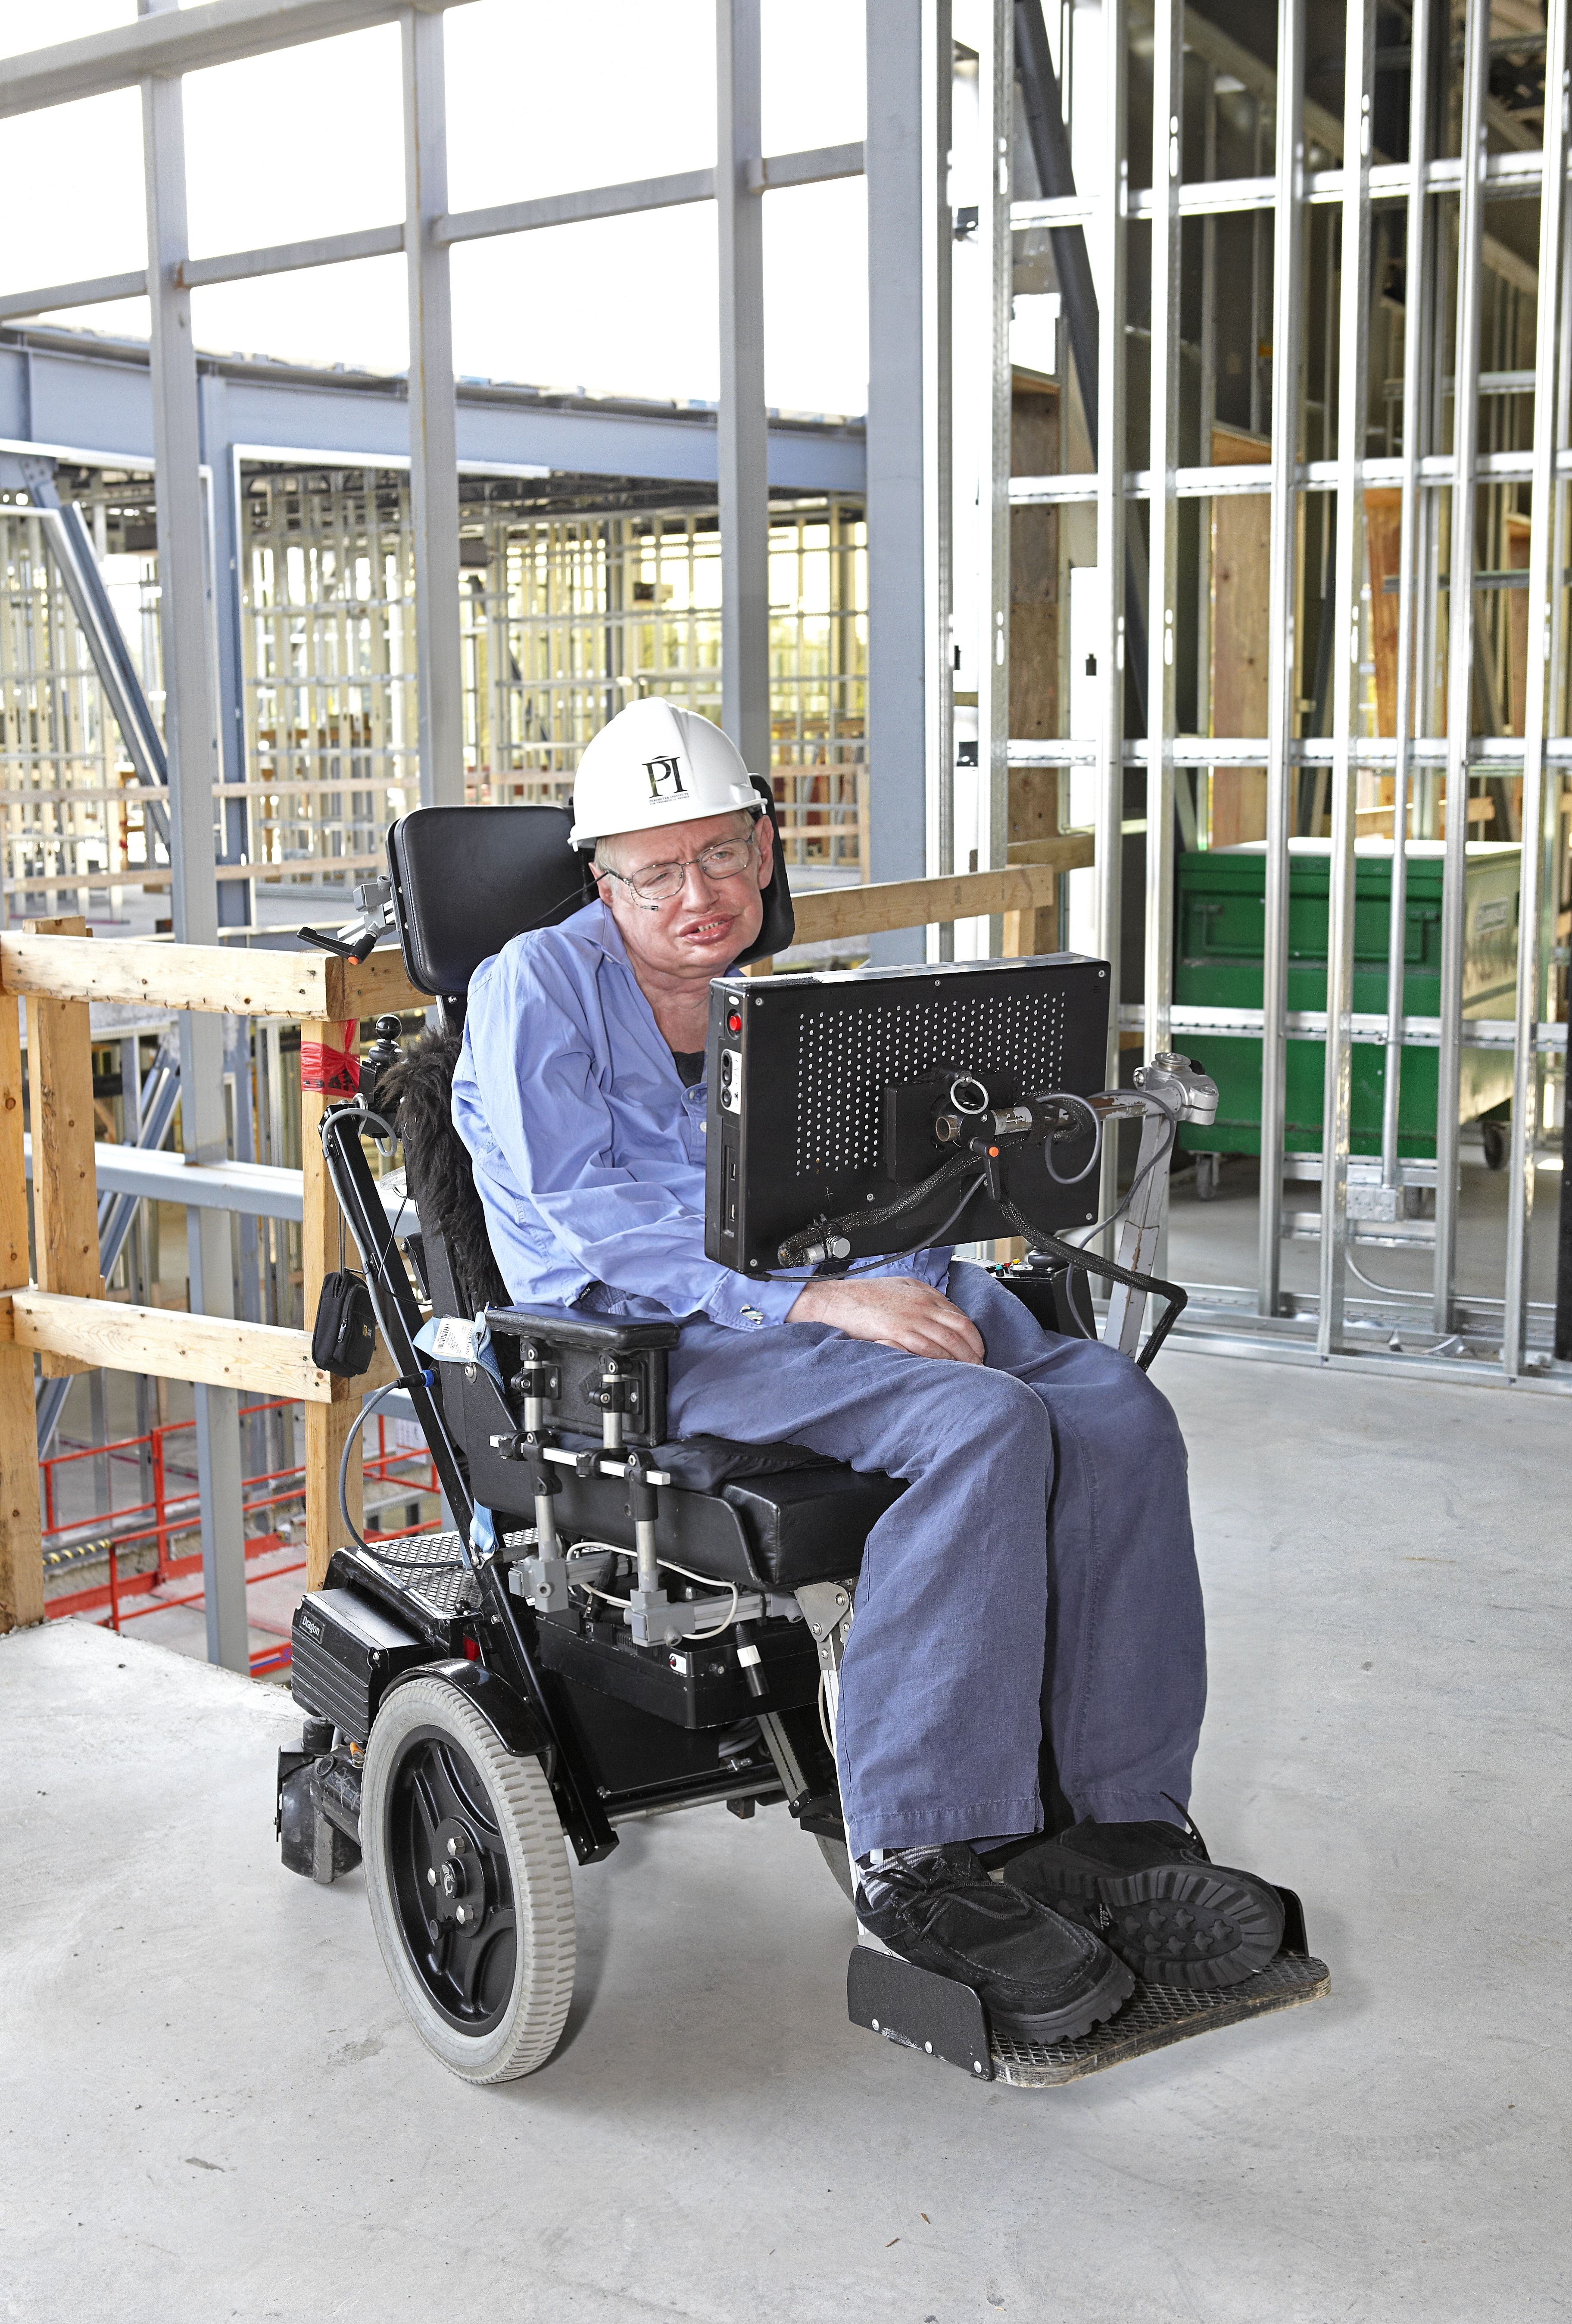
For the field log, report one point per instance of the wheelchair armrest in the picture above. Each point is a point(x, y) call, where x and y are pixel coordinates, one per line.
point(591, 1335)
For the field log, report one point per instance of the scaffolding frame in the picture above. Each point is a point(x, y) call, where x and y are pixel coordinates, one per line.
point(1434, 763)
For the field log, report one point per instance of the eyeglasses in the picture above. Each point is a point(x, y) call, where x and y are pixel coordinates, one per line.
point(657, 883)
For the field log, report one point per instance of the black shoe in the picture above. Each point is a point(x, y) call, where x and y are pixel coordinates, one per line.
point(1155, 1898)
point(1038, 1978)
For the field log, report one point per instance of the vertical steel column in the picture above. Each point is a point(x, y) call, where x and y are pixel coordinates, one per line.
point(1460, 645)
point(433, 420)
point(1352, 375)
point(1283, 642)
point(1543, 576)
point(1208, 402)
point(1113, 451)
point(1162, 514)
point(937, 445)
point(743, 428)
point(1418, 311)
point(236, 908)
point(191, 741)
point(997, 91)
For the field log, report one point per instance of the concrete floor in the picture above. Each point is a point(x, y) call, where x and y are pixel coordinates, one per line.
point(210, 2106)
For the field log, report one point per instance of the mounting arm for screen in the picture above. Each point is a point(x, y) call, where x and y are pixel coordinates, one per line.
point(1168, 1090)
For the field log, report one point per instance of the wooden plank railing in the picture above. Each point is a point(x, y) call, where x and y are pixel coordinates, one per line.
point(64, 1316)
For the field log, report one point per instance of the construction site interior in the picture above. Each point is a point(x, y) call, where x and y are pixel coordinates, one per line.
point(1191, 591)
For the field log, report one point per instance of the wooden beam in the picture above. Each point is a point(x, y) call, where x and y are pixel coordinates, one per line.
point(831, 913)
point(21, 1543)
point(374, 985)
point(330, 1421)
point(167, 976)
point(211, 1351)
point(246, 983)
point(65, 1180)
point(1066, 850)
point(15, 1265)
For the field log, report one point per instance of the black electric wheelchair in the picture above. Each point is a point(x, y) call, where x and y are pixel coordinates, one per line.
point(619, 1626)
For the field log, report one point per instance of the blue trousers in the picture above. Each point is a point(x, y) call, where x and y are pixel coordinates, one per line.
point(1035, 1583)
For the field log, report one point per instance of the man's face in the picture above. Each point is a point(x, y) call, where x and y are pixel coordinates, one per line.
point(699, 931)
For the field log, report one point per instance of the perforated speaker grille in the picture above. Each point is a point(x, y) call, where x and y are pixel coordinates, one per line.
point(845, 1058)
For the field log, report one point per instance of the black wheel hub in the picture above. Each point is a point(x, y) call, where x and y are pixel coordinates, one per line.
point(452, 1888)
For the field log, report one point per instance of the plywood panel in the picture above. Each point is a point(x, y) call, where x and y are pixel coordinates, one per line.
point(1383, 553)
point(1241, 599)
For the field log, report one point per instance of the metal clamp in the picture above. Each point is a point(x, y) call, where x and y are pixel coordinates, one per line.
point(827, 1609)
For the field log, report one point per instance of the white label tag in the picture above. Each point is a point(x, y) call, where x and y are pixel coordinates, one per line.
point(453, 1341)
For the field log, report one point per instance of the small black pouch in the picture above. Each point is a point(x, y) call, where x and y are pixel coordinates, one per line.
point(344, 1336)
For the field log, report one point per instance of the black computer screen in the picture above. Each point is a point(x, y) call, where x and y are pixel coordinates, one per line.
point(823, 1091)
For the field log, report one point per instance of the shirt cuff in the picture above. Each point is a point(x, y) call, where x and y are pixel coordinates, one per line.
point(744, 1306)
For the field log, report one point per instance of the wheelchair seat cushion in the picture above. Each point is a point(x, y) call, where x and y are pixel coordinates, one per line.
point(810, 1525)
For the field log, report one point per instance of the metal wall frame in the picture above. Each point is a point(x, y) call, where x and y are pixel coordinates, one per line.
point(153, 53)
point(1437, 760)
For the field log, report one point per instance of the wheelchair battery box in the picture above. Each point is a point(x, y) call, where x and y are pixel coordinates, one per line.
point(345, 1652)
point(826, 1093)
point(696, 1682)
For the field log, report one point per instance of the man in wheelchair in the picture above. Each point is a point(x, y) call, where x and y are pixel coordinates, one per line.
point(1028, 1647)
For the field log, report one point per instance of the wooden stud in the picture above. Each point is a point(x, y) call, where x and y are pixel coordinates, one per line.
point(1240, 602)
point(65, 1183)
point(328, 1423)
point(14, 1264)
point(21, 1541)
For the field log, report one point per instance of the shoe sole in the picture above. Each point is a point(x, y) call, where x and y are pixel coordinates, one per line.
point(1196, 1926)
point(1106, 1998)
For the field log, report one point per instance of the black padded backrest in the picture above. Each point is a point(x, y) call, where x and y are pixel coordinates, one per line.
point(467, 878)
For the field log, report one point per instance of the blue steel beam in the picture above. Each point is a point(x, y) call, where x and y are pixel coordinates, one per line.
point(74, 393)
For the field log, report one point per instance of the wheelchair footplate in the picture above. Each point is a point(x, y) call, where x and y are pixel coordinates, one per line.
point(932, 2015)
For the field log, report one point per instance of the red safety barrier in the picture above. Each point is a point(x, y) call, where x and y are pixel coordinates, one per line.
point(170, 1516)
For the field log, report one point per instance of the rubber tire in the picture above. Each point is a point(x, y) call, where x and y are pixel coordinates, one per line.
point(834, 1852)
point(520, 1802)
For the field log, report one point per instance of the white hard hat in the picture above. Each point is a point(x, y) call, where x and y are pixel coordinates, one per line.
point(652, 764)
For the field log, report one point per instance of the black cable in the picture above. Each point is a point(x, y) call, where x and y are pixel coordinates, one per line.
point(408, 1564)
point(1177, 1298)
point(793, 1252)
point(1068, 1097)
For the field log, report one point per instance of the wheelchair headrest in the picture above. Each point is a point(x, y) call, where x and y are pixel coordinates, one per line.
point(467, 878)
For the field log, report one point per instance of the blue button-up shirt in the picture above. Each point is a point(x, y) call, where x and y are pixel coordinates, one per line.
point(588, 1152)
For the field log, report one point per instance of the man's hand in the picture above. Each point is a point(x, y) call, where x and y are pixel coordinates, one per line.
point(898, 1311)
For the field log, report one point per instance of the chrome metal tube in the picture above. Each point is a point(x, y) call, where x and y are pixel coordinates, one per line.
point(1460, 648)
point(645, 1541)
point(1282, 686)
point(1163, 515)
point(1533, 884)
point(1417, 313)
point(1353, 363)
point(1112, 189)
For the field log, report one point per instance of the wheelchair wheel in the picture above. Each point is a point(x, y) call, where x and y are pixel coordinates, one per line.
point(467, 1876)
point(834, 1852)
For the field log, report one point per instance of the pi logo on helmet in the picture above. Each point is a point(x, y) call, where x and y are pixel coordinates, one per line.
point(666, 777)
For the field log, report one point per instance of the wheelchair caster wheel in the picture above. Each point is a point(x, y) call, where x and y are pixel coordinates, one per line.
point(469, 1885)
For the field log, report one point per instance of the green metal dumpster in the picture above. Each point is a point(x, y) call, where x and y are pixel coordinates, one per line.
point(1222, 922)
